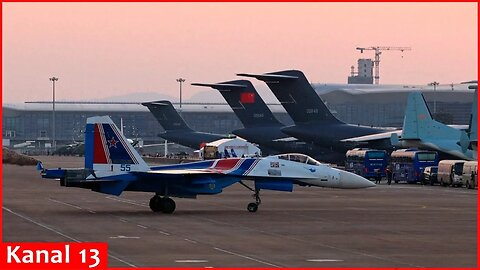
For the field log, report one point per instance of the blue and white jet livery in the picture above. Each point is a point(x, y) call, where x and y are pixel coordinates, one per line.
point(112, 166)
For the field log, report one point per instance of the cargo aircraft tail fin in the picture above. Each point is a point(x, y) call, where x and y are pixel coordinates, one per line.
point(245, 102)
point(166, 115)
point(297, 96)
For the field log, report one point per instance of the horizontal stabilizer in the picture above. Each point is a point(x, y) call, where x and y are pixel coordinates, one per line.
point(112, 187)
point(40, 166)
point(268, 77)
point(394, 139)
point(221, 86)
point(157, 103)
point(373, 137)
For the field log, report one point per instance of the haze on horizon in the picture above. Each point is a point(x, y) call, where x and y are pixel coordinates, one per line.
point(111, 49)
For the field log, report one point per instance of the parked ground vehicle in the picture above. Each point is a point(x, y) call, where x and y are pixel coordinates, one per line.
point(430, 175)
point(450, 172)
point(408, 164)
point(469, 175)
point(366, 162)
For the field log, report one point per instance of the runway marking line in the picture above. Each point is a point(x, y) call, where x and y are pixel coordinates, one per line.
point(323, 260)
point(126, 201)
point(141, 226)
point(60, 233)
point(67, 204)
point(294, 238)
point(191, 241)
point(246, 257)
point(191, 261)
point(124, 237)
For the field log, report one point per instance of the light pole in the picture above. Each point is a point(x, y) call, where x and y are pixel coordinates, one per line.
point(434, 84)
point(180, 81)
point(54, 143)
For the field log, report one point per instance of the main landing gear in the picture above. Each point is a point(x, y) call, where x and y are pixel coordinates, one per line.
point(162, 204)
point(253, 207)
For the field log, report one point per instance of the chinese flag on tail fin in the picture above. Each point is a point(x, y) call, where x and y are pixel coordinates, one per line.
point(246, 98)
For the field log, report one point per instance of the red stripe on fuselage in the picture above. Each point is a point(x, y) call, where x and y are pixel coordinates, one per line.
point(226, 164)
point(99, 156)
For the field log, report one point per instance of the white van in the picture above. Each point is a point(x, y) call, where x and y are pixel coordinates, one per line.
point(470, 172)
point(450, 172)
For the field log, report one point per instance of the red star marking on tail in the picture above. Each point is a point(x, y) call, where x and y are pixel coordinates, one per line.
point(112, 142)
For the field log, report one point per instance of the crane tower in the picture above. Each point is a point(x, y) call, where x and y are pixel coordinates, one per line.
point(378, 50)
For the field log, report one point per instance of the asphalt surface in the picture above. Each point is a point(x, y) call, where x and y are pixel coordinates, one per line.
point(387, 226)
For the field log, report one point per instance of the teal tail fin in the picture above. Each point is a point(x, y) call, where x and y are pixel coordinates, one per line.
point(472, 129)
point(419, 124)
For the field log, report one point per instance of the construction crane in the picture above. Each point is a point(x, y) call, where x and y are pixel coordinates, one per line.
point(378, 50)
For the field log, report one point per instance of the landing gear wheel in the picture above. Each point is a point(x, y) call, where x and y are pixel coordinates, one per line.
point(168, 206)
point(252, 207)
point(156, 203)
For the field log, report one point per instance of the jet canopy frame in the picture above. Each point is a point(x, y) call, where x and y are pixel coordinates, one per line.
point(300, 158)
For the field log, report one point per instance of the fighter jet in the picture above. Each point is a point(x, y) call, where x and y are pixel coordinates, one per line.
point(176, 130)
point(261, 127)
point(313, 120)
point(420, 130)
point(112, 166)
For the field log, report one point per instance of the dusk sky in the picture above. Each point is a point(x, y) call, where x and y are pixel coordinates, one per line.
point(109, 49)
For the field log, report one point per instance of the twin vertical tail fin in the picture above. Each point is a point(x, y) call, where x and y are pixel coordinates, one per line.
point(107, 149)
point(245, 102)
point(297, 96)
point(166, 115)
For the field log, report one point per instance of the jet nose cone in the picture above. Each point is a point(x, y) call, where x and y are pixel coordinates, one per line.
point(351, 180)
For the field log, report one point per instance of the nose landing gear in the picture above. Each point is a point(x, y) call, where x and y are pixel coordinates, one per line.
point(253, 207)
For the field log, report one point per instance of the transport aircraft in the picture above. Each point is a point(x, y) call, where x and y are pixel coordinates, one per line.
point(313, 120)
point(420, 130)
point(261, 127)
point(112, 166)
point(176, 130)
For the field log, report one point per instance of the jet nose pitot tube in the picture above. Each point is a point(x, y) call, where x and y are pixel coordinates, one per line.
point(351, 180)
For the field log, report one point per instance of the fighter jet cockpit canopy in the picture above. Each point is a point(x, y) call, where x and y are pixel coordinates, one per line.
point(300, 158)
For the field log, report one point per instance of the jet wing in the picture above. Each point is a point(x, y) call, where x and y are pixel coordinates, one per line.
point(184, 172)
point(374, 137)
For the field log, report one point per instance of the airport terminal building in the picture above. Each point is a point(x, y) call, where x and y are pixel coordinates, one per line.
point(30, 124)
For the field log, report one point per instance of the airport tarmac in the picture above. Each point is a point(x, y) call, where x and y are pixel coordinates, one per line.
point(387, 226)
